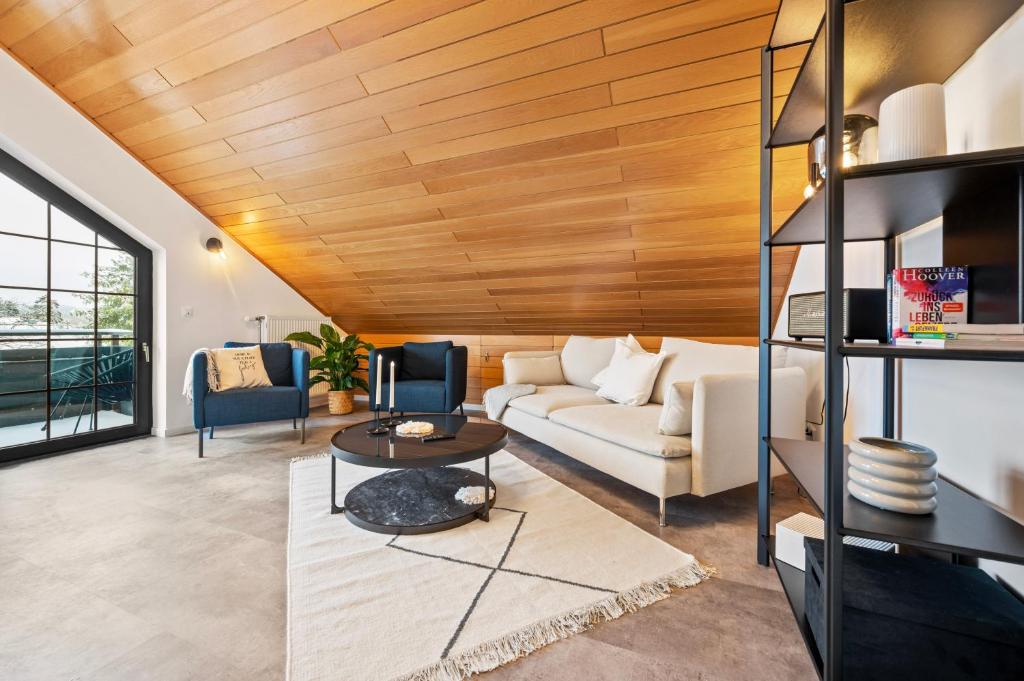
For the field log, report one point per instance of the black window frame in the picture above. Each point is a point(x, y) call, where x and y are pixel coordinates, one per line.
point(142, 334)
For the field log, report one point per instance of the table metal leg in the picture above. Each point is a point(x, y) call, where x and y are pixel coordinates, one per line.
point(487, 489)
point(335, 509)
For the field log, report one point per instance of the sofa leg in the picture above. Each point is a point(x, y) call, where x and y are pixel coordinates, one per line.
point(293, 424)
point(462, 412)
point(211, 432)
point(200, 431)
point(303, 432)
point(661, 513)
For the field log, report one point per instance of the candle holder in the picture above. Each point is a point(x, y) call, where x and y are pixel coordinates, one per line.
point(390, 421)
point(378, 427)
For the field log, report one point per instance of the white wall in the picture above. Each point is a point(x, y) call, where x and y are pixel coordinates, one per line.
point(52, 138)
point(970, 413)
point(864, 266)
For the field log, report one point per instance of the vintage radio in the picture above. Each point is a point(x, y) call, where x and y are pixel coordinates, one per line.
point(865, 315)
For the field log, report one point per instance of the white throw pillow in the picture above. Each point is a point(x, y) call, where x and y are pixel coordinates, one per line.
point(630, 377)
point(631, 345)
point(535, 370)
point(677, 413)
point(239, 368)
point(583, 357)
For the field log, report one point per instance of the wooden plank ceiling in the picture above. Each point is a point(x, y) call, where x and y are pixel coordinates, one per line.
point(491, 166)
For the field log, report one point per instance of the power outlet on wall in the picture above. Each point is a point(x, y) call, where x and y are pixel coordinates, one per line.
point(187, 312)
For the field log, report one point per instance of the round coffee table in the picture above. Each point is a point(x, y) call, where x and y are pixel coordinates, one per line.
point(418, 497)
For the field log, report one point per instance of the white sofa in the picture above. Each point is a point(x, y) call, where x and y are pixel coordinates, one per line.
point(719, 454)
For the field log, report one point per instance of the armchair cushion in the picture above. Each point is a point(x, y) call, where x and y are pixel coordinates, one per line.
point(277, 360)
point(250, 405)
point(424, 361)
point(419, 395)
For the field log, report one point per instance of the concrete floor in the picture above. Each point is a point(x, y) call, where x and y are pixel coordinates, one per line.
point(140, 562)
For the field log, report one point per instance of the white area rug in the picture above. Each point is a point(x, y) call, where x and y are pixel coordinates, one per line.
point(444, 606)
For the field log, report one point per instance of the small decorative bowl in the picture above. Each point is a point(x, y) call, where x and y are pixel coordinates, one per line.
point(414, 428)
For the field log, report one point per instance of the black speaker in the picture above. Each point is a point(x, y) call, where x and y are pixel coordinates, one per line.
point(865, 315)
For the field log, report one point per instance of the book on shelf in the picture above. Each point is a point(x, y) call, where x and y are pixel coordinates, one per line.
point(993, 330)
point(1005, 343)
point(926, 296)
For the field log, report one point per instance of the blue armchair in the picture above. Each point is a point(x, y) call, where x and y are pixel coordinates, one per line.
point(287, 398)
point(429, 377)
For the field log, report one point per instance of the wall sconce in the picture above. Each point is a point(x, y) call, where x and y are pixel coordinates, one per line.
point(214, 245)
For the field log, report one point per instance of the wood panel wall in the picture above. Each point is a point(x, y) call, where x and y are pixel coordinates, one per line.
point(486, 351)
point(450, 166)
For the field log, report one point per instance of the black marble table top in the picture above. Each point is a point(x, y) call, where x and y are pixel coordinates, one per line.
point(475, 438)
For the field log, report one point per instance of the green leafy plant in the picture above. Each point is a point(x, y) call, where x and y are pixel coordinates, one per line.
point(340, 361)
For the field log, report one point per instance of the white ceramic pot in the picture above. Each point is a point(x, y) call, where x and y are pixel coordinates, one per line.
point(912, 123)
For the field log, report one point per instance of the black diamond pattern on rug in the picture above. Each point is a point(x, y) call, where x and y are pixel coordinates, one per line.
point(492, 570)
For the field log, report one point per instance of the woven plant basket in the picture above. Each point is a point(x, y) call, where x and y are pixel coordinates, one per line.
point(339, 401)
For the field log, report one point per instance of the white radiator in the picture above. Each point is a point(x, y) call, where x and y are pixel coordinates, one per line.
point(274, 329)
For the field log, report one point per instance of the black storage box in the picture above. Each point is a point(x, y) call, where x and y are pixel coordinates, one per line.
point(917, 618)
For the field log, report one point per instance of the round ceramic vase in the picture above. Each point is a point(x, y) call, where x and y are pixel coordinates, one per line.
point(912, 123)
point(893, 475)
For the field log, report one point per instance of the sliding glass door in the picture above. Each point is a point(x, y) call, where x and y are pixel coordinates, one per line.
point(75, 322)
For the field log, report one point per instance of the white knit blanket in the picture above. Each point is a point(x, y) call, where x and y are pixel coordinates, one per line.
point(498, 397)
point(211, 373)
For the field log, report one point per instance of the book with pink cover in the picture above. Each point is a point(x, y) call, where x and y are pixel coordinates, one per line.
point(928, 295)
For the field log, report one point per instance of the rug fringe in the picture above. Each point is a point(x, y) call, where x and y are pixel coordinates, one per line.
point(514, 645)
point(296, 459)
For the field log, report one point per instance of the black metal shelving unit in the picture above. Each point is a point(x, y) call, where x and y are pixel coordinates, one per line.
point(861, 51)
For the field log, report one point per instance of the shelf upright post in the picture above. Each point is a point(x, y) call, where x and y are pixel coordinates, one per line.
point(834, 234)
point(764, 356)
point(1020, 246)
point(889, 363)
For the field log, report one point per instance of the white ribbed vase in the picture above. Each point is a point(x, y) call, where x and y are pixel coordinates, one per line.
point(893, 475)
point(912, 123)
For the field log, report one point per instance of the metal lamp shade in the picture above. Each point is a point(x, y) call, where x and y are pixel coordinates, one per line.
point(860, 146)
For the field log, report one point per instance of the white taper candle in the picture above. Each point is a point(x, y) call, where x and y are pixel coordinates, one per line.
point(391, 392)
point(379, 396)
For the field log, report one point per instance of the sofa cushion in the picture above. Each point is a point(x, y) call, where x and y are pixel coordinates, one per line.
point(677, 412)
point(277, 360)
point(248, 405)
point(548, 398)
point(632, 427)
point(583, 357)
point(688, 360)
point(424, 361)
point(536, 370)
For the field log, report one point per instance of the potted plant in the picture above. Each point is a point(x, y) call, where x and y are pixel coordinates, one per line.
point(336, 366)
